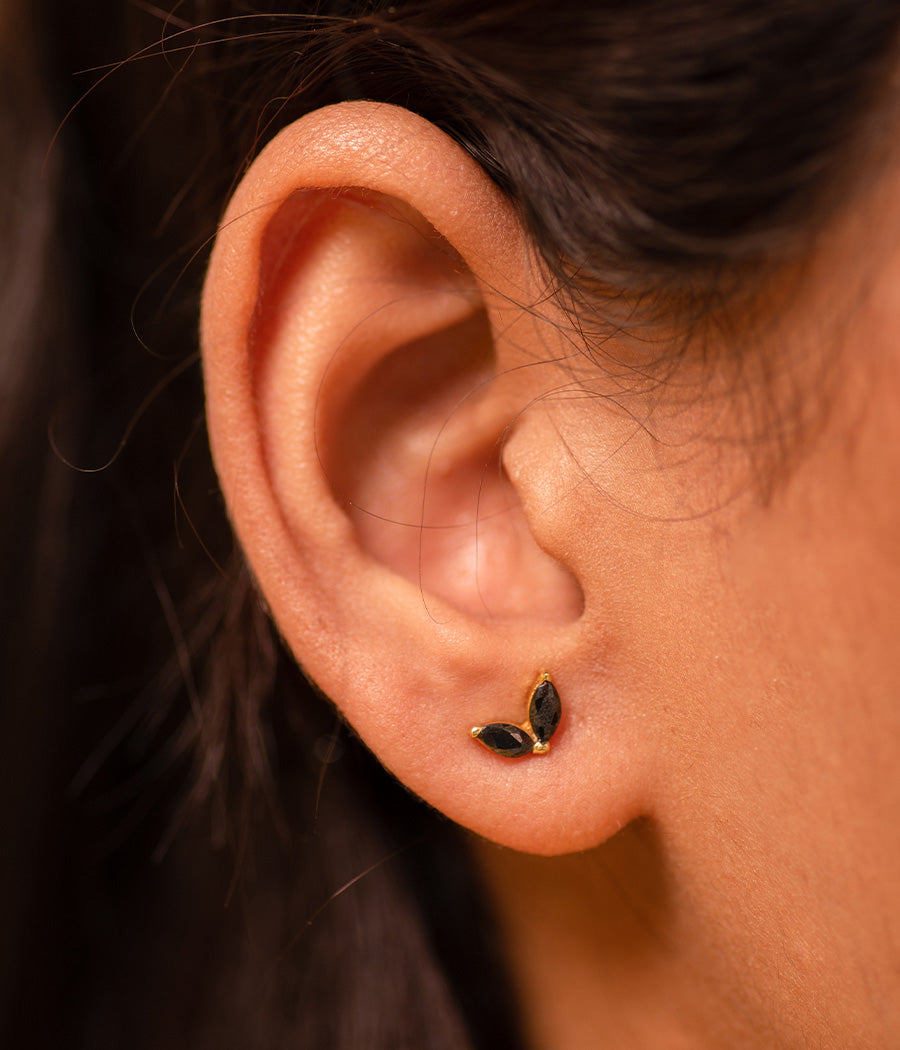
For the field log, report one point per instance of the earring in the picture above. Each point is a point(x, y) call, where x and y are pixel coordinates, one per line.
point(533, 736)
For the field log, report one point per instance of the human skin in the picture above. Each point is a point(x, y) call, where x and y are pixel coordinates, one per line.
point(752, 624)
point(705, 557)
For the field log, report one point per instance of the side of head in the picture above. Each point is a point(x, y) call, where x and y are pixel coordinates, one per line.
point(449, 475)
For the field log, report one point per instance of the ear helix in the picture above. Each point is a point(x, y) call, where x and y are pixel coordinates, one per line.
point(532, 737)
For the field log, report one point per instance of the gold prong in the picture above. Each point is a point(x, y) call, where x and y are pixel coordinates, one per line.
point(476, 730)
point(540, 749)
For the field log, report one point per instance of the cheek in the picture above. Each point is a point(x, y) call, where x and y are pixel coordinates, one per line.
point(757, 640)
point(792, 774)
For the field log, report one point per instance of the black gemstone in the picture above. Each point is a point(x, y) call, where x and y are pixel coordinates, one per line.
point(507, 740)
point(544, 711)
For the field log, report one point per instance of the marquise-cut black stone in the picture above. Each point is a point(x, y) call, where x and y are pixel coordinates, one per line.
point(544, 711)
point(507, 740)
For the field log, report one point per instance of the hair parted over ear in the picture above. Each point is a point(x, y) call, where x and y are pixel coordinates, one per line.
point(374, 373)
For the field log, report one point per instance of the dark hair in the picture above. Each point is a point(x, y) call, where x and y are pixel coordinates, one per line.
point(652, 148)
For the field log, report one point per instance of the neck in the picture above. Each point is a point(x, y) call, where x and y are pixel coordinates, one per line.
point(600, 952)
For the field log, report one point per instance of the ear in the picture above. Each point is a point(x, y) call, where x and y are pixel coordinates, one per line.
point(373, 362)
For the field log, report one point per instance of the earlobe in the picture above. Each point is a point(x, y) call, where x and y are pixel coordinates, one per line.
point(366, 363)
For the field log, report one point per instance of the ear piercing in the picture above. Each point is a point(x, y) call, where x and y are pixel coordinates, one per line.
point(532, 737)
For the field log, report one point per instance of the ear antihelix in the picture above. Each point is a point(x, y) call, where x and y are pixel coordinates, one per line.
point(411, 416)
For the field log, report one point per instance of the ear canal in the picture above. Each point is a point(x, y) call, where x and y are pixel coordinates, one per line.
point(411, 415)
